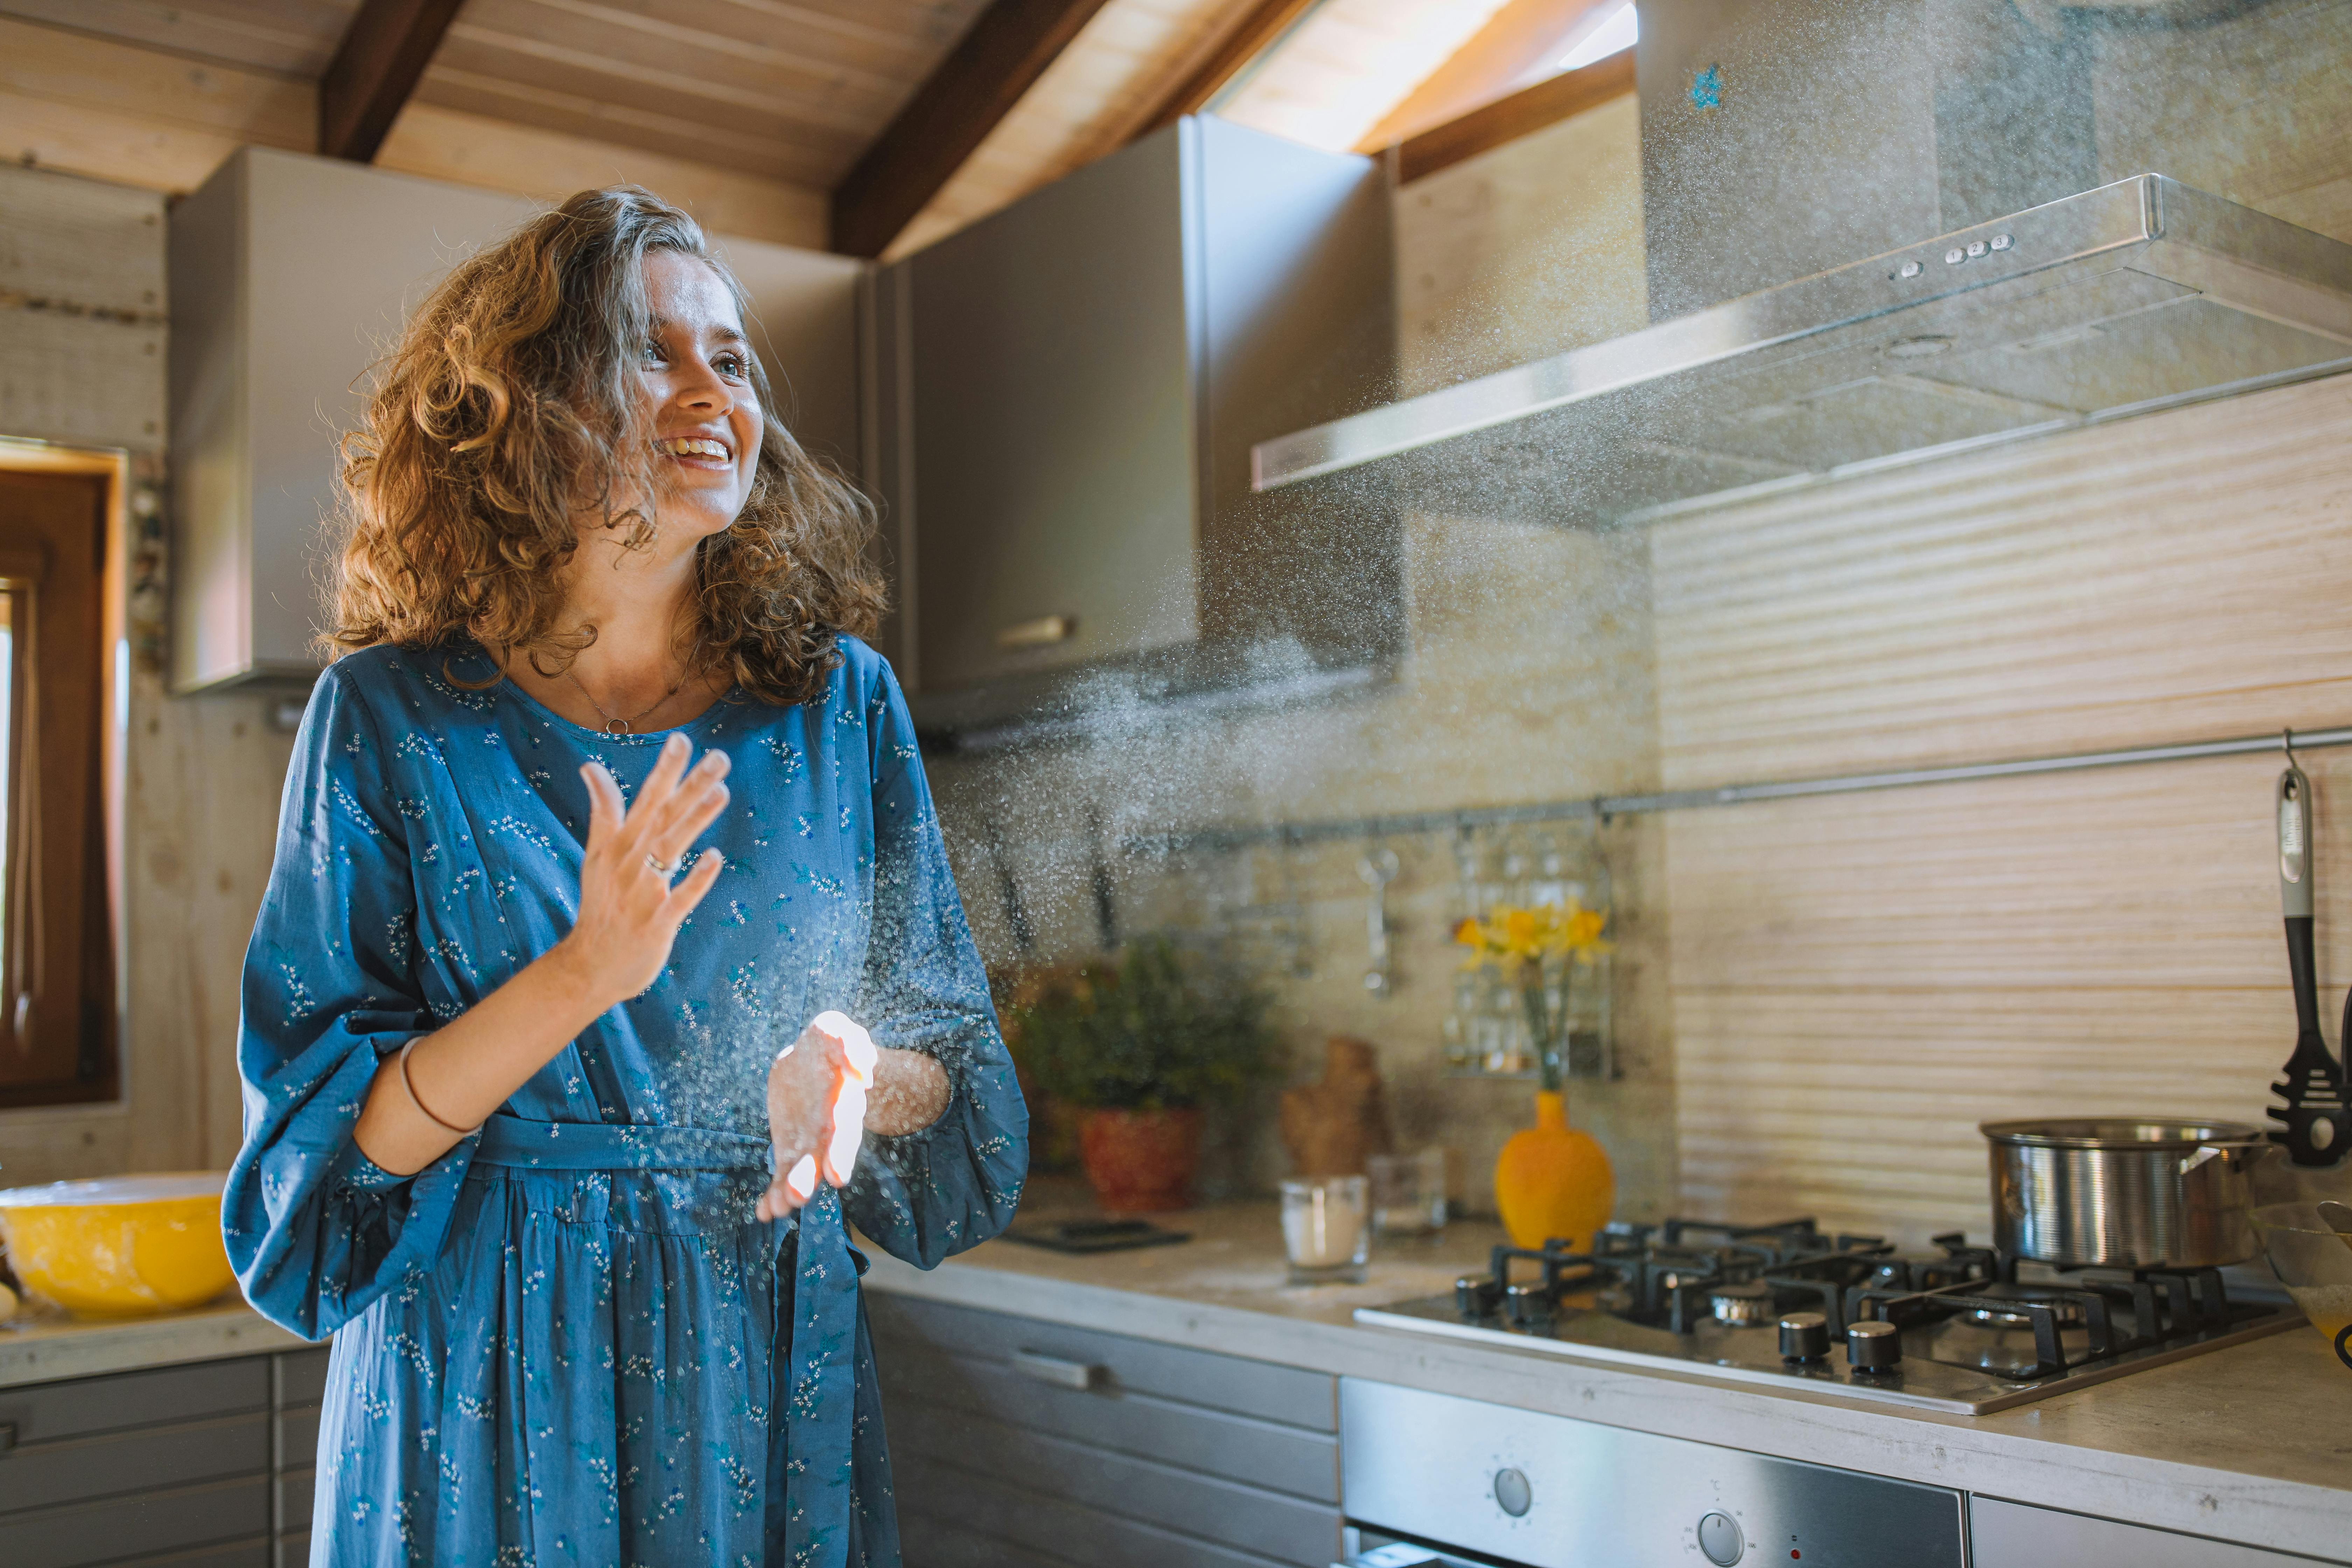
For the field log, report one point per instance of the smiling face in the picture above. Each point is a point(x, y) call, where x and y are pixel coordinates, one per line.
point(700, 401)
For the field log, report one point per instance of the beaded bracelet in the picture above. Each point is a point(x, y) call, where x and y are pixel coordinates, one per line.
point(411, 1088)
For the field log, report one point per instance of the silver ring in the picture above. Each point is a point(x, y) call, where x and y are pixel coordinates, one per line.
point(664, 867)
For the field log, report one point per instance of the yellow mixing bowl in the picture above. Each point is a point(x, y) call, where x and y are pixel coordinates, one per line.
point(122, 1245)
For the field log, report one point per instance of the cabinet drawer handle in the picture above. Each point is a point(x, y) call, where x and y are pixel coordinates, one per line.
point(1042, 632)
point(1059, 1371)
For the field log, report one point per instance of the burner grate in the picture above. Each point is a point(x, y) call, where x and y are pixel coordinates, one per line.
point(1976, 1331)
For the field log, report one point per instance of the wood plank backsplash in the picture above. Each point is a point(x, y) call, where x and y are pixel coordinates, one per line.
point(1857, 981)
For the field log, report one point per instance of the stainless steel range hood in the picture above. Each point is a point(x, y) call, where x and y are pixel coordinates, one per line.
point(2133, 297)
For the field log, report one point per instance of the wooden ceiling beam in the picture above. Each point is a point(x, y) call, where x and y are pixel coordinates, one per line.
point(1265, 22)
point(1001, 56)
point(1530, 109)
point(382, 56)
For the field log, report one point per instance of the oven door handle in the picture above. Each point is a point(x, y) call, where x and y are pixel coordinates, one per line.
point(1402, 1554)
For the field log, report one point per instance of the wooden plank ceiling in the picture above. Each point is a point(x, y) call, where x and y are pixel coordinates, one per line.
point(908, 118)
point(793, 90)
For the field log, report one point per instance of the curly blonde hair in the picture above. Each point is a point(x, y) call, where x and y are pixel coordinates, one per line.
point(512, 404)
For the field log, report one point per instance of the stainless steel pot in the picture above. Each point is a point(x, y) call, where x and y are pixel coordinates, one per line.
point(2125, 1192)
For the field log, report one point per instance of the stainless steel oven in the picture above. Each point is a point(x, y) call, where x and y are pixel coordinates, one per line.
point(1430, 1479)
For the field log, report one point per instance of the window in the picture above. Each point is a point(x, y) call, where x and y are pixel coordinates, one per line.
point(1368, 74)
point(58, 1021)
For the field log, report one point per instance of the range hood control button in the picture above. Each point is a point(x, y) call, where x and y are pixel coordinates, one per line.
point(1719, 1540)
point(1954, 256)
point(1512, 1493)
point(1977, 247)
point(2003, 241)
point(1908, 269)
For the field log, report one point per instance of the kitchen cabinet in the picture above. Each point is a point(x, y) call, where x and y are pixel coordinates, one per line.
point(1070, 390)
point(2015, 1535)
point(289, 276)
point(1016, 1443)
point(207, 1465)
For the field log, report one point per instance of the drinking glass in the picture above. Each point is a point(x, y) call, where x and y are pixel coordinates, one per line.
point(1408, 1192)
point(2313, 1261)
point(1325, 1229)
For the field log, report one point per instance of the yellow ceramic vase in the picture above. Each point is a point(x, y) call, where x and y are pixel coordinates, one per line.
point(1552, 1181)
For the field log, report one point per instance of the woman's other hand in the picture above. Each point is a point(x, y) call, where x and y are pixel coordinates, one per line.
point(816, 1110)
point(629, 906)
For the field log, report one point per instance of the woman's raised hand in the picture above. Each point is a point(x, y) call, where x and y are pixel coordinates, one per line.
point(816, 1110)
point(629, 906)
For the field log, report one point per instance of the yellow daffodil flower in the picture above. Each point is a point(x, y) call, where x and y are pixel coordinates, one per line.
point(1531, 935)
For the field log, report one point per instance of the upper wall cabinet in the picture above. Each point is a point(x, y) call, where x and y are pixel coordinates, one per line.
point(291, 276)
point(1070, 392)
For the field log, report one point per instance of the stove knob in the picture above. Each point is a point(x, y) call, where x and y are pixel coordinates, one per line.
point(1873, 1346)
point(1805, 1336)
point(1526, 1304)
point(1474, 1294)
point(1720, 1541)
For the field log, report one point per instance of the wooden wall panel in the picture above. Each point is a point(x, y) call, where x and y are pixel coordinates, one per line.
point(2248, 104)
point(2168, 578)
point(202, 775)
point(1859, 980)
point(1500, 260)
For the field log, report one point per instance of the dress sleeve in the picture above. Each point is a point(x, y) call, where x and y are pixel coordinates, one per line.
point(931, 1194)
point(316, 1230)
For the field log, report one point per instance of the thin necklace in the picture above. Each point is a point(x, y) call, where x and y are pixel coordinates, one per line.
point(612, 726)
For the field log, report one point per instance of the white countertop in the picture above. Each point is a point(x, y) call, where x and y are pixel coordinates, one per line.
point(42, 1349)
point(2252, 1443)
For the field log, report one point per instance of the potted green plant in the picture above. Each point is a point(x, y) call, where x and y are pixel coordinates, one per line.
point(1140, 1042)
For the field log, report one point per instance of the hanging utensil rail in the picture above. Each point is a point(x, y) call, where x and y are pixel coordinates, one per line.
point(1607, 806)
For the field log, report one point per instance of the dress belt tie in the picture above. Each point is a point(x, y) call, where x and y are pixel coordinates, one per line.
point(815, 1329)
point(617, 1146)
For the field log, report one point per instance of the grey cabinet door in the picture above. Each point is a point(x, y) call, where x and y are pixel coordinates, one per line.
point(205, 1465)
point(1016, 1441)
point(1052, 356)
point(2016, 1535)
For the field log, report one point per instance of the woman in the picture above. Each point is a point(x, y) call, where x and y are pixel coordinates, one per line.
point(518, 1131)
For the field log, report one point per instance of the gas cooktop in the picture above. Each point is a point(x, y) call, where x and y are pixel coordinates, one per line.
point(1962, 1329)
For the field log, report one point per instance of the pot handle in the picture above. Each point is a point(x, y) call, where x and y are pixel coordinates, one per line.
point(2341, 1354)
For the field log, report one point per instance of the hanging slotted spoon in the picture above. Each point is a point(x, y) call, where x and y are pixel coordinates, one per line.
point(2319, 1123)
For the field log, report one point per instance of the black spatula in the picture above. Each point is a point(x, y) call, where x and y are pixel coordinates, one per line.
point(2318, 1130)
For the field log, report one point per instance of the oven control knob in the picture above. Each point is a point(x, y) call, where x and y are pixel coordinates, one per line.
point(1720, 1541)
point(1512, 1493)
point(1873, 1345)
point(1805, 1336)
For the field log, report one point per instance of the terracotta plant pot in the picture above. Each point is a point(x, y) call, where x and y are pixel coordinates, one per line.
point(1553, 1181)
point(1142, 1161)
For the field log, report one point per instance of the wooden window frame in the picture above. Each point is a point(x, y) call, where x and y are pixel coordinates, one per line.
point(1425, 152)
point(1524, 112)
point(79, 1027)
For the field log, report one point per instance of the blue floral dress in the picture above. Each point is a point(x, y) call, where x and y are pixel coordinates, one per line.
point(568, 1340)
